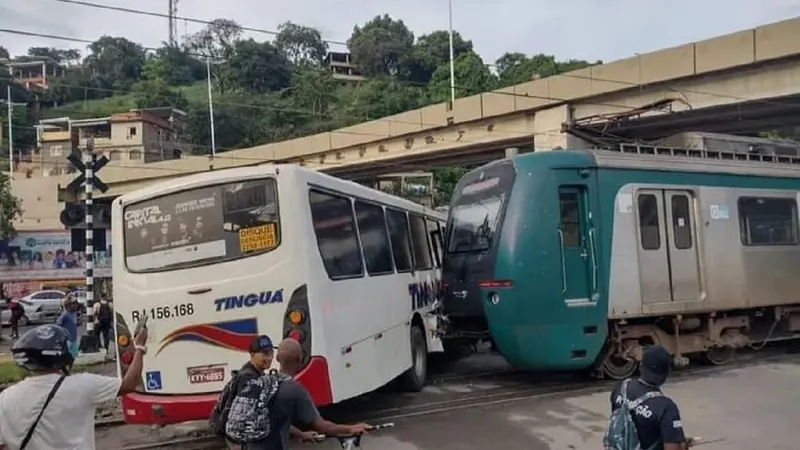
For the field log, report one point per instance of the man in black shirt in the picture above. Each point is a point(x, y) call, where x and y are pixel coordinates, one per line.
point(291, 405)
point(657, 419)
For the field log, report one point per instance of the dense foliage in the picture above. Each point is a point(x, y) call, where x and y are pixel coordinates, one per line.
point(267, 91)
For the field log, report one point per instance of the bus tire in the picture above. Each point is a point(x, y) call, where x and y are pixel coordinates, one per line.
point(413, 379)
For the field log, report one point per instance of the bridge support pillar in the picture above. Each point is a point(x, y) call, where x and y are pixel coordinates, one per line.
point(511, 152)
point(547, 130)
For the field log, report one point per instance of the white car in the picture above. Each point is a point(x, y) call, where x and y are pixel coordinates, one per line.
point(40, 307)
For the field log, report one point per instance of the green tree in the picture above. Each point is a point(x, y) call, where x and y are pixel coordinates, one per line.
point(157, 94)
point(471, 77)
point(431, 51)
point(376, 98)
point(515, 68)
point(173, 65)
point(4, 52)
point(257, 67)
point(10, 208)
point(313, 90)
point(380, 45)
point(59, 55)
point(445, 180)
point(115, 62)
point(303, 46)
point(215, 43)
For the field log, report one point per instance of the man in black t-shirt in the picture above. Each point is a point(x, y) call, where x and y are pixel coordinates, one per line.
point(657, 420)
point(291, 404)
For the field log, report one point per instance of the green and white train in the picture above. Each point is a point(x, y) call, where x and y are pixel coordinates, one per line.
point(572, 260)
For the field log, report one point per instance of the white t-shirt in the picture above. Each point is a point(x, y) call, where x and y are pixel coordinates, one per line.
point(68, 422)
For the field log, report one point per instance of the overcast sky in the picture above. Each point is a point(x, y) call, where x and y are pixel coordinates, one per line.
point(585, 29)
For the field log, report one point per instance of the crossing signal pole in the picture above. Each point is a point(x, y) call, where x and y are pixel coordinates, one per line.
point(87, 167)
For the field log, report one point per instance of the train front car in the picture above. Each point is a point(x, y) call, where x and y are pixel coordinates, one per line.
point(595, 254)
point(523, 262)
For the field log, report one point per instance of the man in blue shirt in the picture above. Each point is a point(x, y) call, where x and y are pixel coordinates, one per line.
point(68, 321)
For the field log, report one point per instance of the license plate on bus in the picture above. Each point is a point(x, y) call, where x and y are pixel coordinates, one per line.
point(206, 374)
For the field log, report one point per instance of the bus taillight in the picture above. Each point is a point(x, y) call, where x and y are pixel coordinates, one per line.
point(297, 335)
point(297, 321)
point(124, 344)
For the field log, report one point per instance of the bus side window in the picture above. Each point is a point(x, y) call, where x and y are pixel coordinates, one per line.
point(419, 241)
point(335, 228)
point(374, 238)
point(435, 234)
point(398, 235)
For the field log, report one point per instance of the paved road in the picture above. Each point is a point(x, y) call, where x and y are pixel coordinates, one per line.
point(753, 407)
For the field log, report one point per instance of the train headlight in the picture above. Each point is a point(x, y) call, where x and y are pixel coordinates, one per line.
point(494, 298)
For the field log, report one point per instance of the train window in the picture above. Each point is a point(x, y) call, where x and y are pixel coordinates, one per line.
point(423, 259)
point(768, 221)
point(648, 221)
point(435, 232)
point(681, 222)
point(570, 218)
point(401, 242)
point(374, 238)
point(335, 228)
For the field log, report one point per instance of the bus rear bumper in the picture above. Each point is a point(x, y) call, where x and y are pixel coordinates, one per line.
point(149, 409)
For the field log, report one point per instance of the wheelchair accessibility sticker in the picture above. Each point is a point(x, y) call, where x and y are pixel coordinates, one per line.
point(153, 380)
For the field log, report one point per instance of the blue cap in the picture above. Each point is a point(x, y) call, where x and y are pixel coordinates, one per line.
point(656, 364)
point(262, 344)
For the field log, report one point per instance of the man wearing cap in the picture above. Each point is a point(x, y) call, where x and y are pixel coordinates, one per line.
point(657, 419)
point(291, 404)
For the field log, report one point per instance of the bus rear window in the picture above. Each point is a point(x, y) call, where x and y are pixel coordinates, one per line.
point(202, 226)
point(476, 208)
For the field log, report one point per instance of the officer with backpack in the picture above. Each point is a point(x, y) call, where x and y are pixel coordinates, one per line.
point(257, 410)
point(104, 321)
point(642, 417)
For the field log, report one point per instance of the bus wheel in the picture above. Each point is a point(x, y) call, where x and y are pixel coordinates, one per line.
point(413, 380)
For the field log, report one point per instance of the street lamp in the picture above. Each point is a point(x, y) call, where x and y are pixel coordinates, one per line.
point(211, 110)
point(452, 62)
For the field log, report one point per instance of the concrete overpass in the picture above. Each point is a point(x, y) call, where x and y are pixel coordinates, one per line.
point(758, 69)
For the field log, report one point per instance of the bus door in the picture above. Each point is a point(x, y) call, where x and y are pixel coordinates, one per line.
point(668, 259)
point(577, 237)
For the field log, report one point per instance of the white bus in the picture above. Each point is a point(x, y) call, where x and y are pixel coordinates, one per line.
point(218, 258)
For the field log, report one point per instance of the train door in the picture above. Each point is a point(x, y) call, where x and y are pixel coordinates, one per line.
point(668, 258)
point(577, 239)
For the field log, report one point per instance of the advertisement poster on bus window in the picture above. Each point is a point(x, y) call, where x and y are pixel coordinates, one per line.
point(47, 255)
point(174, 229)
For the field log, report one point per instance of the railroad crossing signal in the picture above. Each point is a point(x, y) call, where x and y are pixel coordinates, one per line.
point(80, 180)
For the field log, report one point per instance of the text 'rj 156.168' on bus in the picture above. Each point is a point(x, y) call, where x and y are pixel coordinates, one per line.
point(222, 242)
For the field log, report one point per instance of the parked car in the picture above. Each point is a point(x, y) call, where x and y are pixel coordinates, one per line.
point(41, 307)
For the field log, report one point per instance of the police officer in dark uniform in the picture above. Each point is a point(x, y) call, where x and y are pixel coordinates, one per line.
point(658, 421)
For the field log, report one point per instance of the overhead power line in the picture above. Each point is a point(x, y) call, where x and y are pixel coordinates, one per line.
point(175, 17)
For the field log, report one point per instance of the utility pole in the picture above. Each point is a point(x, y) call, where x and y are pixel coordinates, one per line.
point(211, 111)
point(452, 56)
point(173, 22)
point(10, 136)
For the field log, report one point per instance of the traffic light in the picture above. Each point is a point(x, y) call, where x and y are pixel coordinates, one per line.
point(74, 215)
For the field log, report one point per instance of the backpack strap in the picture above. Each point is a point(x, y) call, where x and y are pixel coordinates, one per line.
point(653, 394)
point(50, 396)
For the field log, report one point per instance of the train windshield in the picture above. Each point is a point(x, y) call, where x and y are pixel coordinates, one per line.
point(476, 209)
point(202, 226)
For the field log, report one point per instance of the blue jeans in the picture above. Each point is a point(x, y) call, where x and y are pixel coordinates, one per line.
point(74, 348)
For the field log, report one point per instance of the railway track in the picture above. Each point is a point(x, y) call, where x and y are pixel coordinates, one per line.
point(517, 388)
